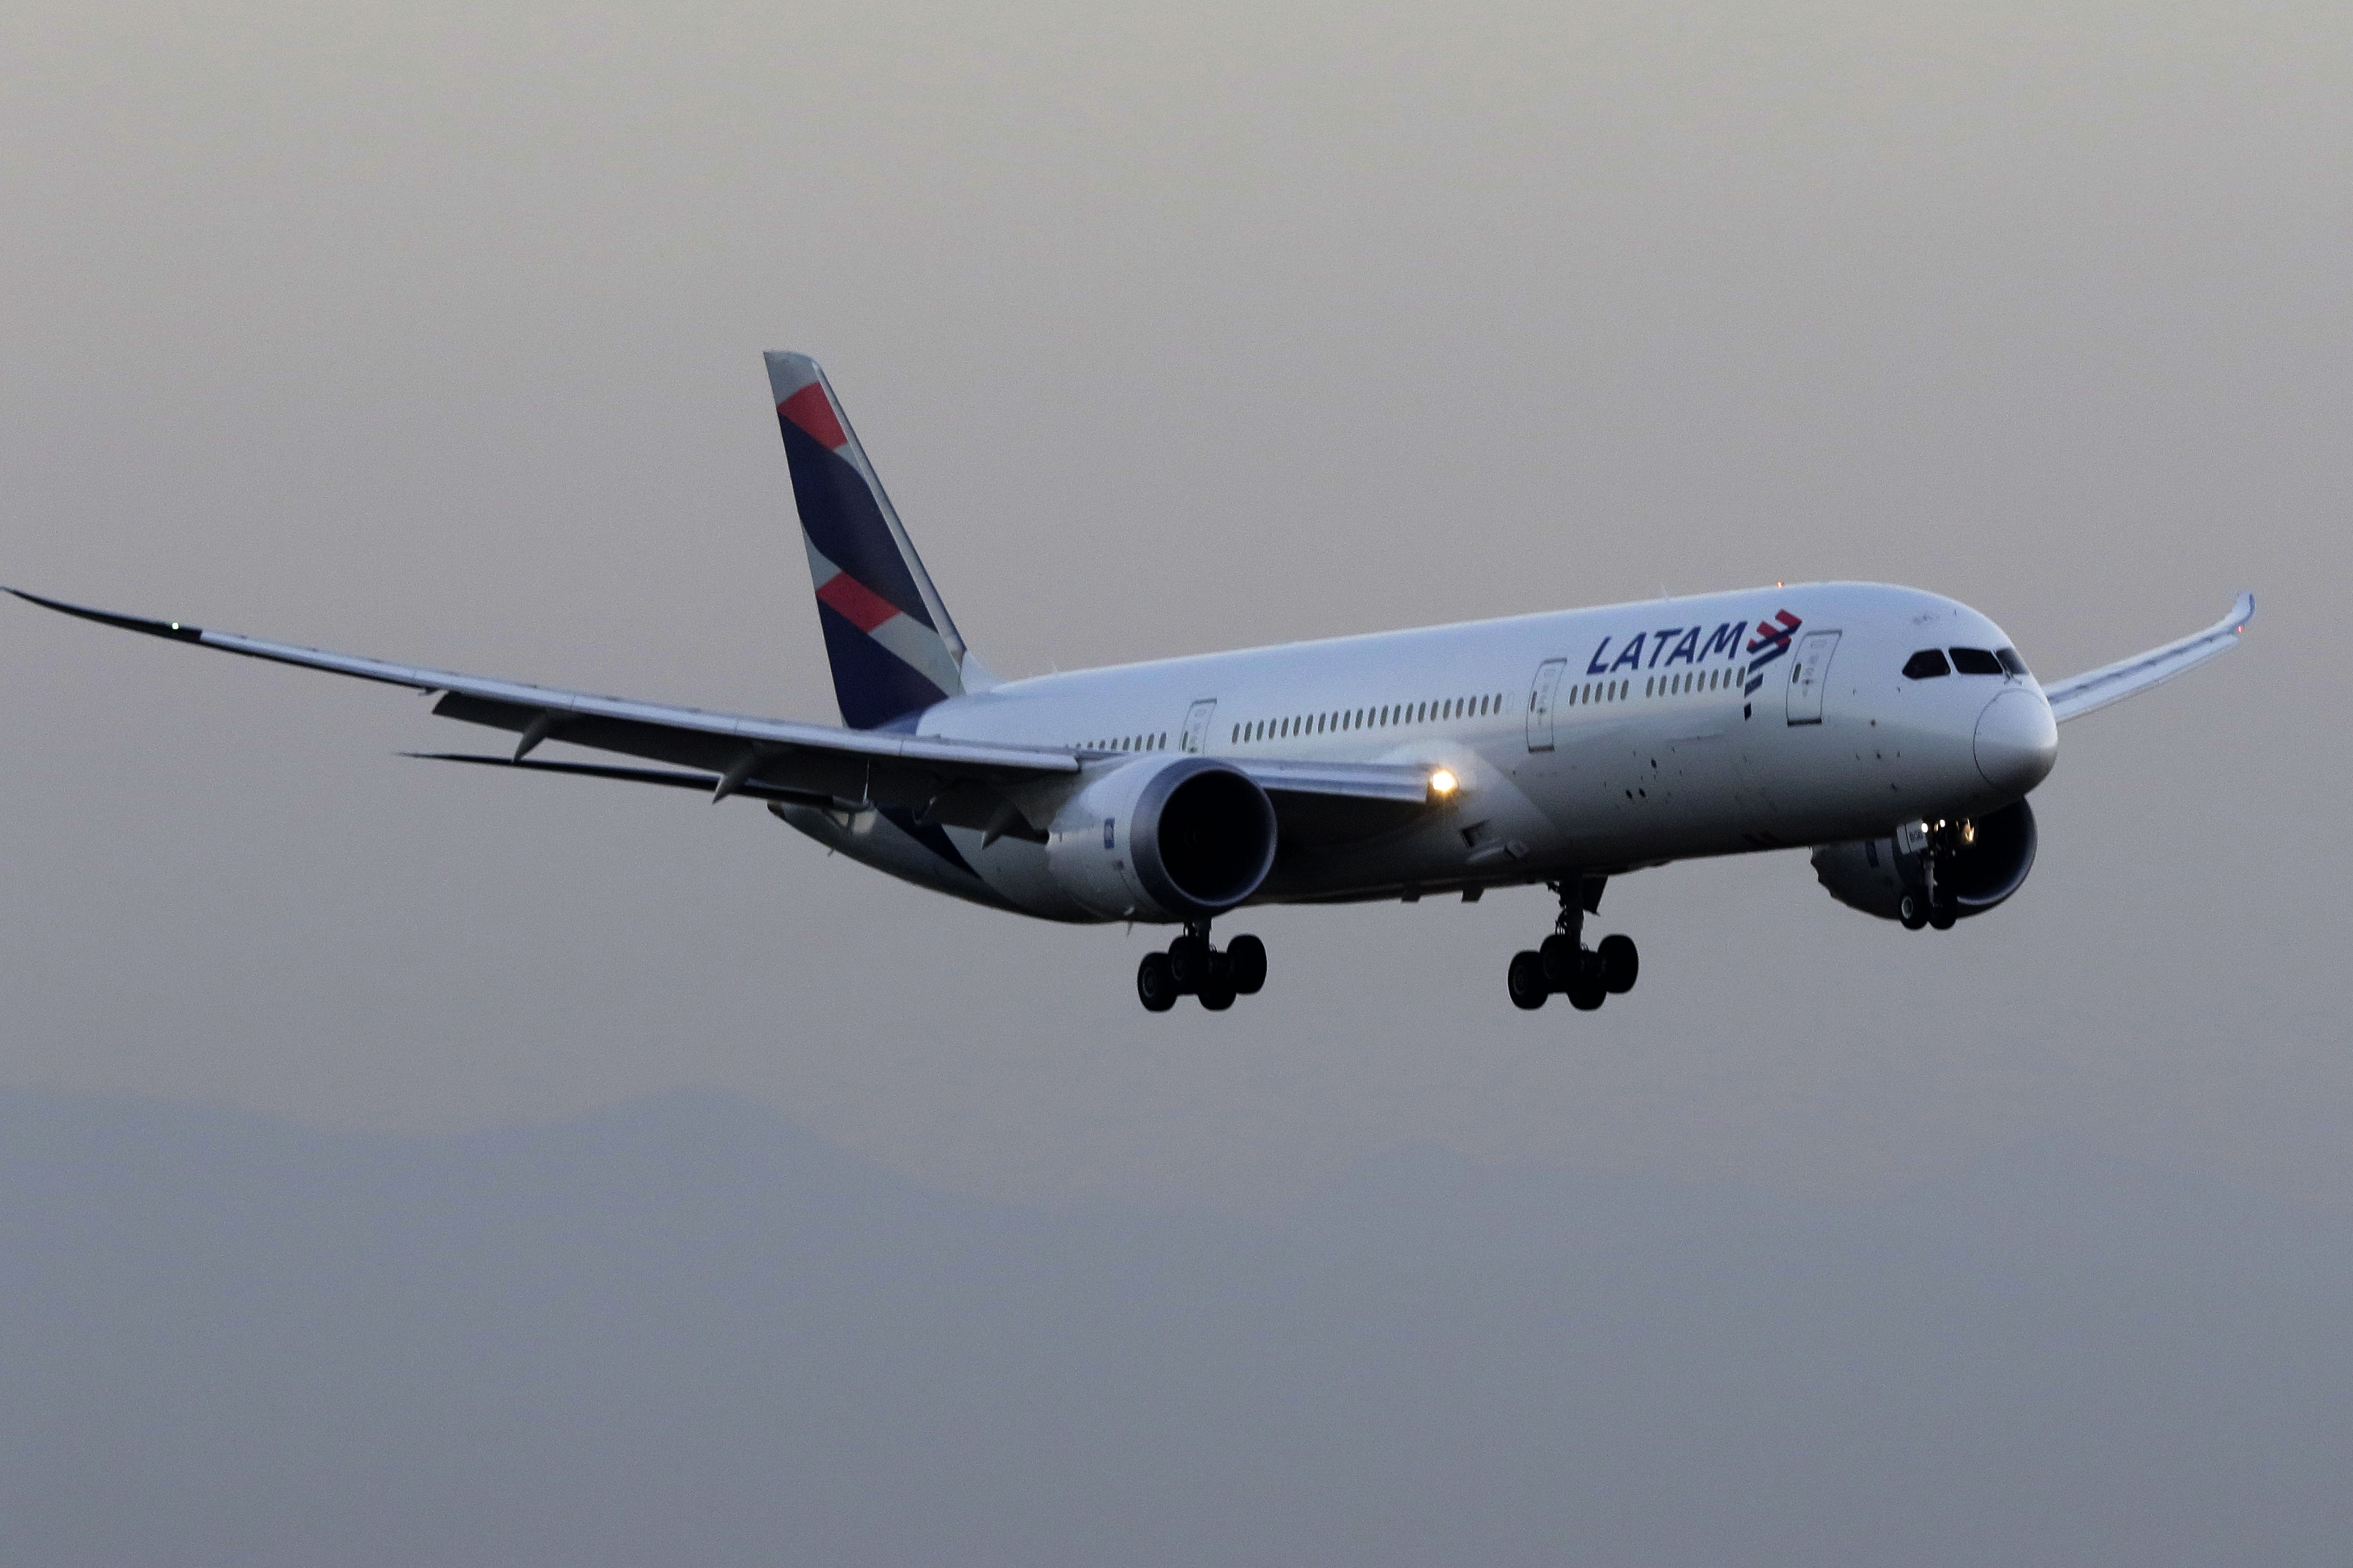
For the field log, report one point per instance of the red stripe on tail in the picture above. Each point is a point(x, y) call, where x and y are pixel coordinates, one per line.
point(810, 410)
point(854, 602)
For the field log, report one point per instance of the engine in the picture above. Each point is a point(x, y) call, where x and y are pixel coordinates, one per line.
point(1972, 866)
point(1163, 838)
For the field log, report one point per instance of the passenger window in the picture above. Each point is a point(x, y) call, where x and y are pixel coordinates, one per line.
point(2011, 661)
point(1976, 661)
point(1927, 665)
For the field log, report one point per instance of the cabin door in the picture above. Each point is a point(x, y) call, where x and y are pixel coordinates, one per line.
point(1196, 725)
point(1808, 674)
point(1541, 697)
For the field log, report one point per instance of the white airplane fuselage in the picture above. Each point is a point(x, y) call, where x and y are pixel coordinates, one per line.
point(1581, 742)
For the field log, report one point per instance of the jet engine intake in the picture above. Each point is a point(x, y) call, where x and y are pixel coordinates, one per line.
point(1163, 838)
point(1973, 864)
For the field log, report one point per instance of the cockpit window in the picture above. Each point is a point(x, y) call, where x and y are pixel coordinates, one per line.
point(2009, 661)
point(1976, 661)
point(1928, 663)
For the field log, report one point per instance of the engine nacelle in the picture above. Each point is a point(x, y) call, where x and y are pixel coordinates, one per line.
point(1979, 863)
point(1163, 838)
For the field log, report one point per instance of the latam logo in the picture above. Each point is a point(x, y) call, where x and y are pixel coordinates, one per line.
point(1672, 645)
point(1771, 642)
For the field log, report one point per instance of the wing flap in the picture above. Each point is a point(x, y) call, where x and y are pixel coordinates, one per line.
point(705, 783)
point(2094, 689)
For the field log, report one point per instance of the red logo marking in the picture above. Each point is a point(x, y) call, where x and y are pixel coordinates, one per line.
point(856, 602)
point(810, 410)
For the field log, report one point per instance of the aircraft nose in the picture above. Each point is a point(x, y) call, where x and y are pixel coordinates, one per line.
point(2018, 741)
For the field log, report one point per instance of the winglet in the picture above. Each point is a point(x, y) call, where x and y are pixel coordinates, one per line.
point(172, 629)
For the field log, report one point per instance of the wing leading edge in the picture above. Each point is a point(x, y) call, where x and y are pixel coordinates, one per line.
point(2093, 690)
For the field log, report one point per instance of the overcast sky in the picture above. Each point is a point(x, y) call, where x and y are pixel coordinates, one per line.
point(415, 331)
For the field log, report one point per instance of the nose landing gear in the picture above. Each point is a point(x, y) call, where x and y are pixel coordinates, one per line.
point(1191, 967)
point(1932, 903)
point(1586, 976)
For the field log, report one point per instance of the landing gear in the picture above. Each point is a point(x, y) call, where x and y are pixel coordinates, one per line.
point(1931, 903)
point(1247, 957)
point(1191, 967)
point(1527, 980)
point(1586, 976)
point(1621, 963)
point(1155, 982)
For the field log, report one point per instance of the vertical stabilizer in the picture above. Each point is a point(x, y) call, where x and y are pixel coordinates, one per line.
point(893, 649)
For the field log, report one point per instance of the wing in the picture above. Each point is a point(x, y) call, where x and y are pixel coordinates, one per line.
point(962, 783)
point(1326, 804)
point(2081, 694)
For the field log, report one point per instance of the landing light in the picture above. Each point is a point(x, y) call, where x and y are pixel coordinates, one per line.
point(1443, 782)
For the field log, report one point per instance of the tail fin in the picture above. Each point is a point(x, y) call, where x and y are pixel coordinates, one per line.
point(893, 649)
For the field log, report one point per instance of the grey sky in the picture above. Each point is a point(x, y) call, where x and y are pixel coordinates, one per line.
point(412, 331)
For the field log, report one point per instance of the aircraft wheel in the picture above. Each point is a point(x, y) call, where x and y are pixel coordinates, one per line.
point(1188, 961)
point(1217, 991)
point(1912, 909)
point(1247, 954)
point(1942, 915)
point(1561, 955)
point(1526, 979)
point(1585, 993)
point(1621, 963)
point(1155, 982)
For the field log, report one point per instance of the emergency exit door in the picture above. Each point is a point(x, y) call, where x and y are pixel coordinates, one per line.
point(1809, 673)
point(1196, 725)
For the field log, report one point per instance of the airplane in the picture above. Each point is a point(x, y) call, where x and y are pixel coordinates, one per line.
point(1893, 733)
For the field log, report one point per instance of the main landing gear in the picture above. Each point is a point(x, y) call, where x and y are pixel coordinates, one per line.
point(1588, 976)
point(1921, 906)
point(1191, 967)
